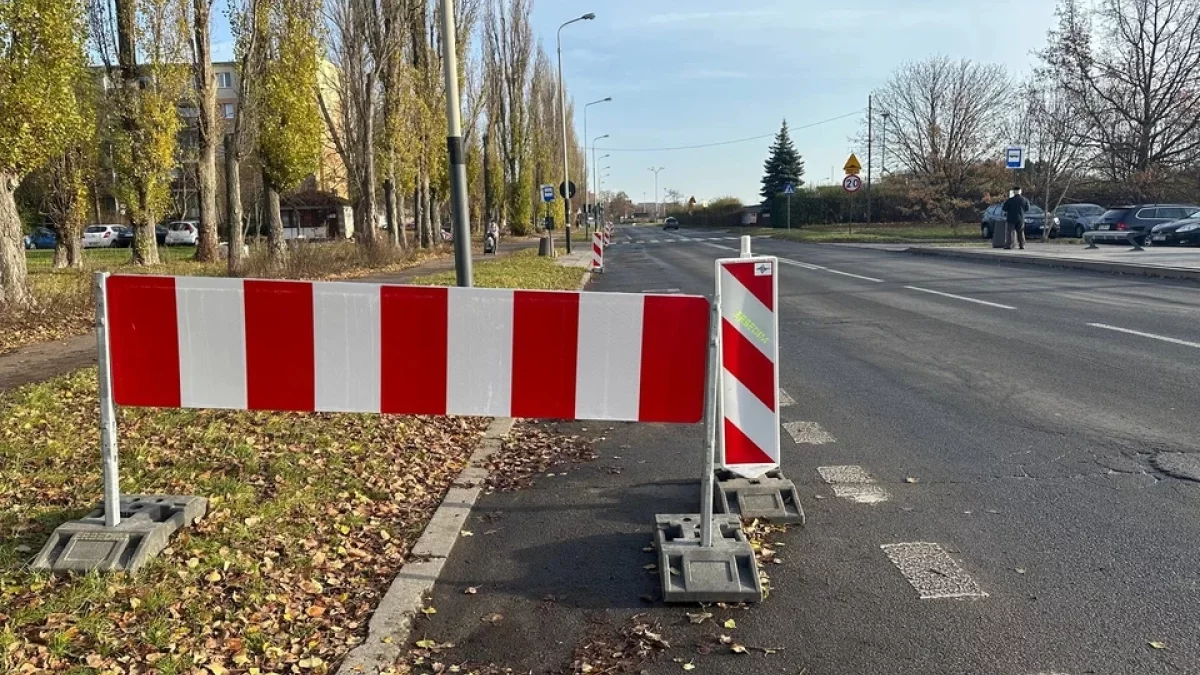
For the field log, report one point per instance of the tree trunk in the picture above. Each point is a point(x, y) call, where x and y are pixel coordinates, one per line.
point(427, 218)
point(145, 243)
point(206, 89)
point(67, 248)
point(233, 205)
point(276, 246)
point(389, 205)
point(14, 276)
point(60, 252)
point(400, 220)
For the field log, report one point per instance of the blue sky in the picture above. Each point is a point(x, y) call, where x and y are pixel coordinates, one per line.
point(705, 71)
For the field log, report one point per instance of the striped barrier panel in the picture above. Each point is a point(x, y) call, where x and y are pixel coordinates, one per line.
point(747, 296)
point(597, 252)
point(206, 342)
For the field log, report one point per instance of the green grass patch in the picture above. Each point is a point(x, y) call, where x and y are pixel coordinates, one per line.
point(523, 269)
point(885, 233)
point(310, 517)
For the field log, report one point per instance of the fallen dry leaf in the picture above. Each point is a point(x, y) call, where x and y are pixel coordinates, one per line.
point(1158, 645)
point(428, 610)
point(730, 624)
point(699, 617)
point(738, 649)
point(470, 590)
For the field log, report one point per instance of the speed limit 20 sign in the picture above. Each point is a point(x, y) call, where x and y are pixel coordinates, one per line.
point(852, 183)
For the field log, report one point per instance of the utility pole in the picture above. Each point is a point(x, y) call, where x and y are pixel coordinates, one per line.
point(870, 141)
point(883, 160)
point(459, 208)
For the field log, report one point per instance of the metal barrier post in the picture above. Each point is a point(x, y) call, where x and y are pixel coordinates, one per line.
point(711, 403)
point(746, 246)
point(108, 415)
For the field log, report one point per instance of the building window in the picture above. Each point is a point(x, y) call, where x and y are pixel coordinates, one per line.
point(225, 80)
point(227, 110)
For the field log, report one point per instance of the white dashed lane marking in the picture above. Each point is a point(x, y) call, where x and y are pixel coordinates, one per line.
point(853, 483)
point(809, 433)
point(785, 399)
point(959, 297)
point(856, 276)
point(931, 571)
point(1152, 336)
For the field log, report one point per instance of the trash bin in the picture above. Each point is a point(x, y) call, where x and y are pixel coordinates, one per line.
point(1000, 235)
point(544, 249)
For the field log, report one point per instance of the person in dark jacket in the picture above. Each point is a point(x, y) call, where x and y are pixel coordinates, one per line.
point(1015, 208)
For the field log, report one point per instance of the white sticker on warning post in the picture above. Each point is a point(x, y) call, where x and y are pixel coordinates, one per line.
point(763, 269)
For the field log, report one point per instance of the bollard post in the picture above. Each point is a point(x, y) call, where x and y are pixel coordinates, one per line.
point(746, 246)
point(108, 416)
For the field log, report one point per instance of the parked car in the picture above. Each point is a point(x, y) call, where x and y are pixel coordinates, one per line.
point(101, 236)
point(671, 223)
point(1118, 222)
point(1075, 219)
point(125, 239)
point(182, 233)
point(1035, 221)
point(1184, 232)
point(42, 237)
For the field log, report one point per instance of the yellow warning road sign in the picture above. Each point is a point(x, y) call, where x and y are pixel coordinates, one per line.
point(853, 166)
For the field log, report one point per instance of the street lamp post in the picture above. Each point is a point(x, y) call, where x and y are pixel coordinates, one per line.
point(883, 159)
point(593, 159)
point(458, 159)
point(562, 109)
point(655, 172)
point(607, 99)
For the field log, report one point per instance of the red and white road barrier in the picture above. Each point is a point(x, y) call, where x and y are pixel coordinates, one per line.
point(349, 347)
point(597, 252)
point(607, 235)
point(747, 295)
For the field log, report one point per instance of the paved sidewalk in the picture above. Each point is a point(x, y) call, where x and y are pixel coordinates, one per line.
point(1171, 263)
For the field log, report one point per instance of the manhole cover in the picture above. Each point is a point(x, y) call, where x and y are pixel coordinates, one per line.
point(1179, 464)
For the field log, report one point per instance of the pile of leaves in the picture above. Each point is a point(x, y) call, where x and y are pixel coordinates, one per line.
point(619, 650)
point(763, 537)
point(532, 449)
point(310, 517)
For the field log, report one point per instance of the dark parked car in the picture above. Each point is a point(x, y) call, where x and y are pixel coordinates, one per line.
point(1075, 219)
point(671, 223)
point(125, 239)
point(1120, 221)
point(1184, 232)
point(1035, 220)
point(42, 237)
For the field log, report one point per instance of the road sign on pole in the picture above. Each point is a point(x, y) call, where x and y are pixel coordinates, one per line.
point(853, 166)
point(547, 193)
point(1014, 157)
point(789, 189)
point(852, 183)
point(562, 190)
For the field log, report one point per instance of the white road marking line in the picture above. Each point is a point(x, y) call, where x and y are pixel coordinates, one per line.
point(661, 291)
point(931, 571)
point(652, 241)
point(785, 399)
point(856, 276)
point(809, 433)
point(797, 263)
point(1152, 336)
point(723, 248)
point(960, 297)
point(853, 483)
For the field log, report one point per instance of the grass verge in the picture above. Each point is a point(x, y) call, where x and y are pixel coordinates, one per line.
point(523, 269)
point(882, 233)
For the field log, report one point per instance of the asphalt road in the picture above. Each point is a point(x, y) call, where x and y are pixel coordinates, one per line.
point(1013, 416)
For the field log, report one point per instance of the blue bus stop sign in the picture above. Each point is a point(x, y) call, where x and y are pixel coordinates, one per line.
point(547, 193)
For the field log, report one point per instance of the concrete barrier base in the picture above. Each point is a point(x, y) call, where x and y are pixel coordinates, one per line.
point(771, 497)
point(724, 572)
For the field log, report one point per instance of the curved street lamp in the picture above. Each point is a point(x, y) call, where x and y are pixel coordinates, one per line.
point(562, 110)
point(606, 99)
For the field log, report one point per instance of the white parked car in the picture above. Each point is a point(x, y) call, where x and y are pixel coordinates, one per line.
point(101, 236)
point(182, 233)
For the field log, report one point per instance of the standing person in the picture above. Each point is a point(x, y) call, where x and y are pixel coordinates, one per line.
point(1015, 208)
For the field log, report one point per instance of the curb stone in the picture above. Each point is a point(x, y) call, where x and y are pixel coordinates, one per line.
point(390, 624)
point(1090, 265)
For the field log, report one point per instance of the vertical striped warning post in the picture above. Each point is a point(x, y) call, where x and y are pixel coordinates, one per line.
point(597, 252)
point(607, 235)
point(747, 297)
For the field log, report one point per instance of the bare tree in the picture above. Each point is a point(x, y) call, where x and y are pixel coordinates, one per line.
point(1052, 129)
point(946, 117)
point(248, 20)
point(1132, 69)
point(508, 55)
point(207, 127)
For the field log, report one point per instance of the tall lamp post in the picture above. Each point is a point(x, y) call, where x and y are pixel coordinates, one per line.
point(598, 138)
point(459, 207)
point(655, 172)
point(562, 109)
point(883, 158)
point(606, 99)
